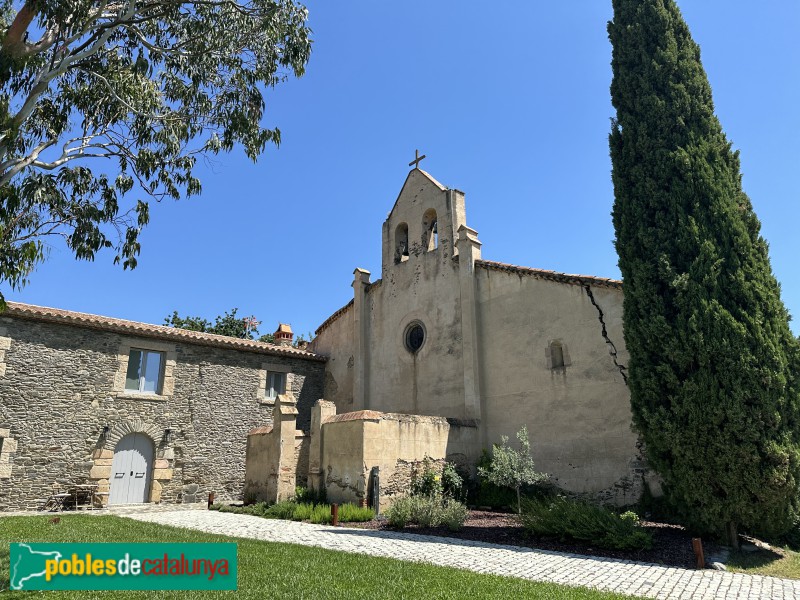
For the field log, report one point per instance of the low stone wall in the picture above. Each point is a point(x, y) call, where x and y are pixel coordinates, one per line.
point(277, 457)
point(353, 443)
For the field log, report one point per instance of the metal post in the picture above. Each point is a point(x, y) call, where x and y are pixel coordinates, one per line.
point(375, 490)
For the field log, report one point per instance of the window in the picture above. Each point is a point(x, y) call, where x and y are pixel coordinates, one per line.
point(414, 337)
point(276, 384)
point(144, 373)
point(557, 355)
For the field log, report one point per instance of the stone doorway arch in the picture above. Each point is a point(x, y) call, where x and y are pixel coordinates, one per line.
point(131, 469)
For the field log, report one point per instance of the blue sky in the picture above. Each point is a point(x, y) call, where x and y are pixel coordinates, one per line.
point(510, 102)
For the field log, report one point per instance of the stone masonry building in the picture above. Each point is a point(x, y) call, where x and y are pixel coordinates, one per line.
point(70, 396)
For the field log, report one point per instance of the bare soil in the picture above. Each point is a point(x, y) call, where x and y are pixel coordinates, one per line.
point(672, 545)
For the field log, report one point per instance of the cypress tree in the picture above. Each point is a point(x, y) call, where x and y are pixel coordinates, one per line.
point(712, 359)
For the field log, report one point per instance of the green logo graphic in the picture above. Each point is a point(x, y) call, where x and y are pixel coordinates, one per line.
point(123, 566)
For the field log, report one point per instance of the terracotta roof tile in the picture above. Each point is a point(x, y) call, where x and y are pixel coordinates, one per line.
point(550, 275)
point(78, 319)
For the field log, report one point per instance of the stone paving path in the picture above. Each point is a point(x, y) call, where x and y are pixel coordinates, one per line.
point(624, 577)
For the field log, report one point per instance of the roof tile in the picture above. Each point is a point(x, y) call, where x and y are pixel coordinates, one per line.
point(78, 319)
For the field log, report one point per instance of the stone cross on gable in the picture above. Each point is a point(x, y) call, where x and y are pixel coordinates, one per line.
point(417, 160)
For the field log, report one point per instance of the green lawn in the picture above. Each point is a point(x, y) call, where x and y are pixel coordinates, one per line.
point(784, 563)
point(273, 570)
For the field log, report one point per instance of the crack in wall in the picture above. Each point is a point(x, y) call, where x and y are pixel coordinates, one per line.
point(612, 349)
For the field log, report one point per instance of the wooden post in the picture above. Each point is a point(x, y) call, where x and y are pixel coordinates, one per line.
point(210, 499)
point(335, 514)
point(697, 546)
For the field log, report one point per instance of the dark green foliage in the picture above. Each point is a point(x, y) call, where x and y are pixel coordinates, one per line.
point(712, 358)
point(228, 324)
point(568, 519)
point(148, 86)
point(302, 494)
point(486, 493)
point(452, 482)
point(433, 482)
point(427, 481)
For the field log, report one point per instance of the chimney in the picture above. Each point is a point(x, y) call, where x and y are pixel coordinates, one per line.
point(283, 335)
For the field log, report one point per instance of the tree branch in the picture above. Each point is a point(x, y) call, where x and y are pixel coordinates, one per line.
point(12, 42)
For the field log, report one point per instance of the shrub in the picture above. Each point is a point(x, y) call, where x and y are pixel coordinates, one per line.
point(320, 513)
point(281, 510)
point(428, 482)
point(399, 514)
point(306, 511)
point(454, 514)
point(426, 511)
point(452, 482)
point(302, 512)
point(586, 522)
point(350, 513)
point(259, 509)
point(302, 495)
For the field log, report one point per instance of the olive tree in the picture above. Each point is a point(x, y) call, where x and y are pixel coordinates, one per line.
point(513, 467)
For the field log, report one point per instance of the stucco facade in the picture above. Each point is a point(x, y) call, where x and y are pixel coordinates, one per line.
point(502, 346)
point(64, 406)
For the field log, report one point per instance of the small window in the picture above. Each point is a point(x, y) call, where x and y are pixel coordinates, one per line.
point(144, 371)
point(557, 355)
point(276, 384)
point(415, 337)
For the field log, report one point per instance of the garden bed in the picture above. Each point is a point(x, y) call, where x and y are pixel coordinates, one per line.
point(672, 545)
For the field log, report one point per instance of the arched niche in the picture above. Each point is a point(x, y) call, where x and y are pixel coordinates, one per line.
point(401, 243)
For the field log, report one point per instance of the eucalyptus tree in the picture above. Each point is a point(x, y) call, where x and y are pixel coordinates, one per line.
point(104, 100)
point(713, 363)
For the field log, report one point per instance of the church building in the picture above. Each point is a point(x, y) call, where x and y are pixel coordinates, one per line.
point(439, 358)
point(444, 332)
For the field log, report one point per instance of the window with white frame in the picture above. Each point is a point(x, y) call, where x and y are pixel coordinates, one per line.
point(145, 371)
point(276, 384)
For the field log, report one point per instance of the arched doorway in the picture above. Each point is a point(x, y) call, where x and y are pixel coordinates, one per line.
point(131, 469)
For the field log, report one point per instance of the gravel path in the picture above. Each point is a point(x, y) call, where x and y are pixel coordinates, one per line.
point(624, 577)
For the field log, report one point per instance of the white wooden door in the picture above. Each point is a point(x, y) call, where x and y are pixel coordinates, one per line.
point(130, 470)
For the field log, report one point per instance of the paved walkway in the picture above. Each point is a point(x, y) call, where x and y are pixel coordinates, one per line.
point(624, 577)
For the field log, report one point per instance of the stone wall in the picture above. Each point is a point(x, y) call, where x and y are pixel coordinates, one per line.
point(60, 391)
point(353, 443)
